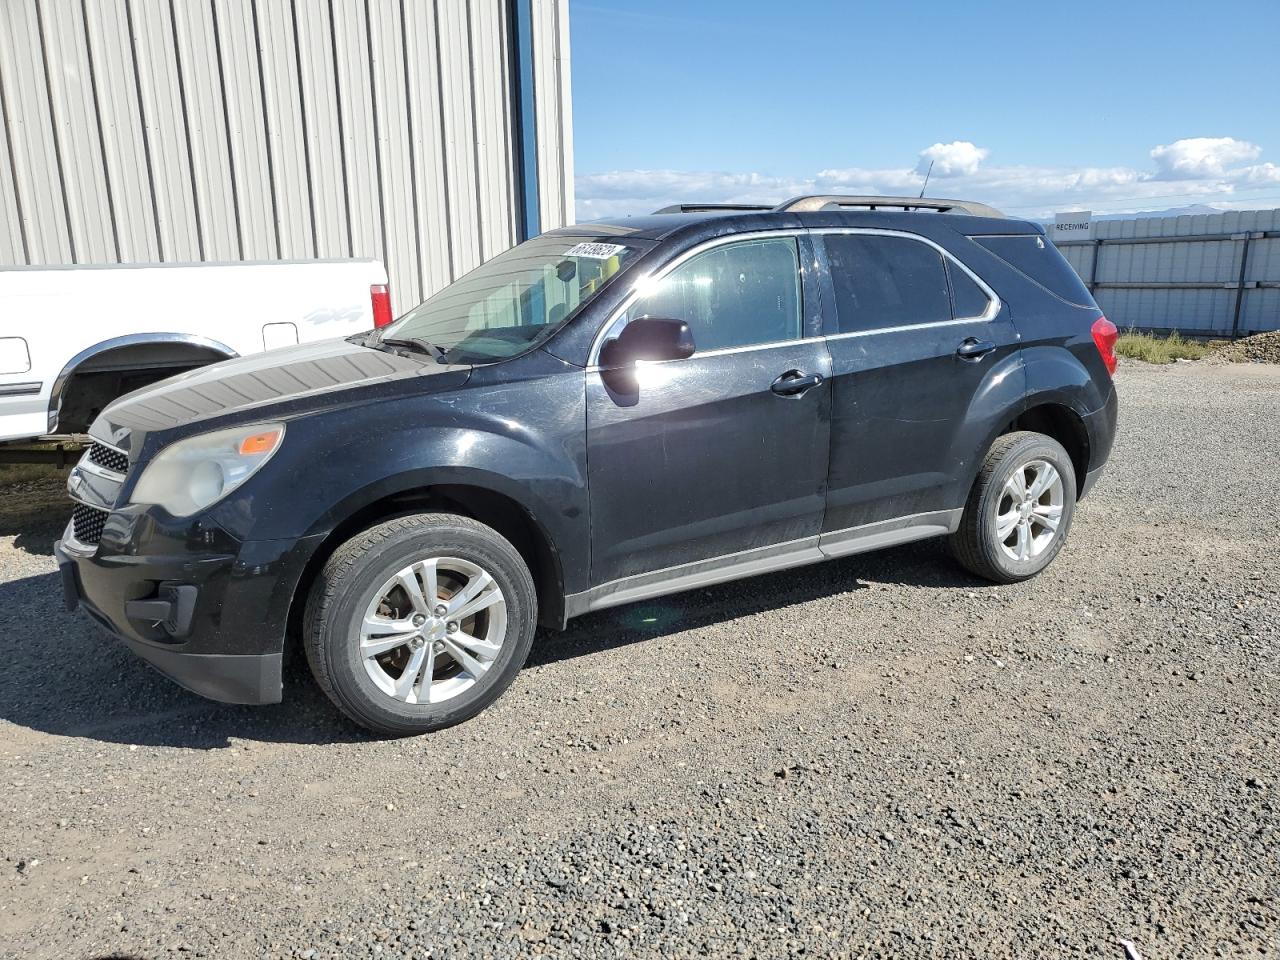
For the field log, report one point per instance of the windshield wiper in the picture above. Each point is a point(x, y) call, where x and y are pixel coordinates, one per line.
point(414, 343)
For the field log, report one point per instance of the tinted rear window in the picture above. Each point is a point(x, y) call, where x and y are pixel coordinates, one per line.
point(886, 282)
point(1039, 260)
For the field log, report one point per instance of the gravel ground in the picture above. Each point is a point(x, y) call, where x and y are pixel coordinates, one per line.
point(1259, 348)
point(875, 757)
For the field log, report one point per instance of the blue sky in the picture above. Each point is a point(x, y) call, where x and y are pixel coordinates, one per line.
point(1120, 106)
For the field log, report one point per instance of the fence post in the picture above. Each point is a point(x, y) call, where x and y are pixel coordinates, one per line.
point(1093, 266)
point(1244, 265)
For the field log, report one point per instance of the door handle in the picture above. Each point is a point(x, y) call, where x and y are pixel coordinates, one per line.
point(795, 382)
point(974, 349)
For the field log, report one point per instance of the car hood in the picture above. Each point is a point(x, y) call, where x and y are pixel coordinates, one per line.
point(281, 383)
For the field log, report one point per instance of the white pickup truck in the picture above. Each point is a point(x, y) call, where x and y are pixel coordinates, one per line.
point(72, 339)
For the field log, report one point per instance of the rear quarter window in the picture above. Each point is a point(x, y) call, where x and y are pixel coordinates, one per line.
point(969, 299)
point(1039, 261)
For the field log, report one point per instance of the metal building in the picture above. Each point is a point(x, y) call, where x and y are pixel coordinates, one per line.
point(431, 134)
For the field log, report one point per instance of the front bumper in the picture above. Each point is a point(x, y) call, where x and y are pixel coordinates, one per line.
point(207, 611)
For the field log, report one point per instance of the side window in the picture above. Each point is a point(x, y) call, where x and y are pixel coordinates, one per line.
point(969, 299)
point(886, 281)
point(734, 295)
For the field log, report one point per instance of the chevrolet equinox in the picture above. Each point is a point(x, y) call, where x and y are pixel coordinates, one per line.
point(605, 413)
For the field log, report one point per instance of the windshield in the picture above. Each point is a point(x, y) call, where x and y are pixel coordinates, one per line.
point(515, 301)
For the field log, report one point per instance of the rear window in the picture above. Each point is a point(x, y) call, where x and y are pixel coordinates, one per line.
point(1040, 262)
point(886, 282)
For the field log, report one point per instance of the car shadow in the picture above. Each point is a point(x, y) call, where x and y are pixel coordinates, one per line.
point(64, 676)
point(925, 564)
point(34, 509)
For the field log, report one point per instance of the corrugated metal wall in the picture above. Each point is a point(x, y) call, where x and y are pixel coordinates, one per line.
point(196, 130)
point(1191, 285)
point(550, 74)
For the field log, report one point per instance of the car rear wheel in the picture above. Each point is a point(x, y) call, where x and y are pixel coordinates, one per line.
point(1019, 510)
point(420, 622)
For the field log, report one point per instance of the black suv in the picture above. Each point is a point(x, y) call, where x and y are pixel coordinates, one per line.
point(605, 413)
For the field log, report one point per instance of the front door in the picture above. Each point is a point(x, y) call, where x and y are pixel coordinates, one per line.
point(720, 457)
point(918, 344)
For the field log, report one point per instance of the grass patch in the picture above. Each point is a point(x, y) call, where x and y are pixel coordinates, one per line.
point(1153, 349)
point(11, 473)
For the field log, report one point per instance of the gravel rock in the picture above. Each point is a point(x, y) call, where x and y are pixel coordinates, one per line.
point(691, 776)
point(1259, 348)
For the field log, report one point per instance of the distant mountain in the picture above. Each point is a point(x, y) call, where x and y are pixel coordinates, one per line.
point(1192, 209)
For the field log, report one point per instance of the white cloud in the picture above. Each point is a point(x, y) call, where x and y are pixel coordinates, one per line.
point(858, 180)
point(624, 192)
point(1260, 173)
point(1199, 157)
point(958, 158)
point(1199, 169)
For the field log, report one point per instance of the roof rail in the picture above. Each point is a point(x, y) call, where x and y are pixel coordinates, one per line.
point(711, 207)
point(815, 202)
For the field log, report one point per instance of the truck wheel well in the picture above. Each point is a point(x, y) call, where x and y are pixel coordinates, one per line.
point(500, 512)
point(98, 379)
point(1064, 425)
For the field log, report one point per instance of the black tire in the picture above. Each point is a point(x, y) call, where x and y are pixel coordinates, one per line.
point(336, 606)
point(976, 544)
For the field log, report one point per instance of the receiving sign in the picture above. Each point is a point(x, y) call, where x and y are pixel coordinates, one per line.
point(1076, 225)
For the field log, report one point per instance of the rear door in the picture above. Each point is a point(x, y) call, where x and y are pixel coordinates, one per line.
point(917, 340)
point(720, 457)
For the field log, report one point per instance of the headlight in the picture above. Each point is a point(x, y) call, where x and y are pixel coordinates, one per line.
point(194, 473)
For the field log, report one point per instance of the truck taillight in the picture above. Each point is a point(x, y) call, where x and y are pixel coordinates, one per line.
point(1105, 335)
point(381, 298)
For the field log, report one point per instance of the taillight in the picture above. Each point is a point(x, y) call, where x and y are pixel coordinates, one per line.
point(1105, 335)
point(381, 298)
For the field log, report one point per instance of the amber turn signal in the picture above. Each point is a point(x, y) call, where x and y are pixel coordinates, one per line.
point(259, 443)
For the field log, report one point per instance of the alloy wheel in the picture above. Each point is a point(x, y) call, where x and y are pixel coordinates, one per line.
point(1029, 511)
point(432, 631)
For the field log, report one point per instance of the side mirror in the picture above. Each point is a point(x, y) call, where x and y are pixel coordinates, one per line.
point(648, 338)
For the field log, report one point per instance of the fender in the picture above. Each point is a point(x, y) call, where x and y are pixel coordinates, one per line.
point(555, 526)
point(1076, 379)
point(132, 340)
point(1057, 375)
point(333, 465)
point(1053, 375)
point(996, 402)
point(467, 487)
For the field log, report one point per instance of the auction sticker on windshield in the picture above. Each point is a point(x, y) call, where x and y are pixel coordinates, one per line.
point(596, 251)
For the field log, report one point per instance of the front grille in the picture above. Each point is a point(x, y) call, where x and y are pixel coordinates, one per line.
point(87, 523)
point(108, 458)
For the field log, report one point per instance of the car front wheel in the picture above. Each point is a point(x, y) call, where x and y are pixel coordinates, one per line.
point(1019, 510)
point(420, 622)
